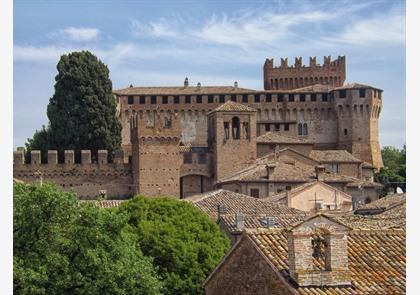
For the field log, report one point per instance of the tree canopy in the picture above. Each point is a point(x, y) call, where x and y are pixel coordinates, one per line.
point(65, 247)
point(82, 111)
point(183, 242)
point(394, 167)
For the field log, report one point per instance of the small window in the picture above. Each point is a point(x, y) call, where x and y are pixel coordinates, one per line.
point(187, 99)
point(334, 167)
point(130, 99)
point(345, 131)
point(153, 99)
point(362, 92)
point(221, 98)
point(268, 97)
point(300, 129)
point(288, 187)
point(256, 98)
point(202, 158)
point(291, 97)
point(199, 99)
point(187, 158)
point(142, 99)
point(279, 97)
point(368, 200)
point(254, 192)
point(313, 97)
point(245, 98)
point(302, 97)
point(267, 127)
point(164, 99)
point(168, 122)
point(380, 94)
point(277, 126)
point(305, 129)
point(210, 99)
point(286, 127)
point(324, 96)
point(130, 159)
point(233, 97)
point(176, 99)
point(226, 130)
point(342, 93)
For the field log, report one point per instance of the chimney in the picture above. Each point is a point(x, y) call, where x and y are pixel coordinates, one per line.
point(198, 86)
point(186, 82)
point(221, 209)
point(270, 170)
point(240, 221)
point(320, 172)
point(235, 84)
point(269, 222)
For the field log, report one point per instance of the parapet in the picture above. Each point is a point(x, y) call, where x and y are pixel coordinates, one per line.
point(52, 158)
point(340, 61)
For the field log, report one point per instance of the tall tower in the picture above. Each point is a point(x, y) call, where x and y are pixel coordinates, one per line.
point(232, 138)
point(358, 107)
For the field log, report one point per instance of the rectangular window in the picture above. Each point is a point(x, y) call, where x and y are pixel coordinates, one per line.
point(254, 192)
point(334, 167)
point(288, 187)
point(153, 99)
point(199, 99)
point(380, 94)
point(286, 127)
point(221, 98)
point(164, 99)
point(210, 99)
point(279, 97)
point(313, 97)
point(256, 98)
point(268, 97)
point(302, 97)
point(233, 97)
point(130, 99)
point(187, 158)
point(291, 97)
point(342, 93)
point(245, 98)
point(142, 99)
point(187, 99)
point(362, 92)
point(267, 127)
point(324, 96)
point(176, 99)
point(202, 158)
point(277, 126)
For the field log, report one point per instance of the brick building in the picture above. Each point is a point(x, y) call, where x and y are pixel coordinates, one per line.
point(185, 140)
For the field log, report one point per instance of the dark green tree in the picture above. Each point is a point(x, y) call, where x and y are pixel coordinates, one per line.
point(393, 172)
point(82, 111)
point(65, 247)
point(185, 244)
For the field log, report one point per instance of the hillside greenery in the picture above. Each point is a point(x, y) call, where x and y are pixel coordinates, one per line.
point(393, 172)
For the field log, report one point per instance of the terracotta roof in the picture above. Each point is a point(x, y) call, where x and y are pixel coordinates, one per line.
point(358, 182)
point(231, 106)
point(236, 202)
point(376, 260)
point(355, 86)
point(277, 137)
point(314, 88)
point(333, 156)
point(386, 202)
point(105, 203)
point(395, 220)
point(173, 90)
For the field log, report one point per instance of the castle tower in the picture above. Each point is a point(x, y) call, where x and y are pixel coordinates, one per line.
point(232, 138)
point(358, 108)
point(156, 160)
point(287, 77)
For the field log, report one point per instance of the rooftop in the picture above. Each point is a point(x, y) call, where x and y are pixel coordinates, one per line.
point(105, 203)
point(277, 137)
point(231, 106)
point(355, 86)
point(181, 90)
point(334, 156)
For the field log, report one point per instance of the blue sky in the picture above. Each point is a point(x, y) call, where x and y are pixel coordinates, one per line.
point(152, 43)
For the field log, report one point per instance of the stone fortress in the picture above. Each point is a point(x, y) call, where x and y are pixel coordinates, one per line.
point(306, 125)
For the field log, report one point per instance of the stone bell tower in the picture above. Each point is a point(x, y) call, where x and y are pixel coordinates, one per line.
point(232, 138)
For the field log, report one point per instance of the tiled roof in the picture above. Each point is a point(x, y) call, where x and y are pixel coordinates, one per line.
point(277, 137)
point(105, 203)
point(386, 202)
point(376, 260)
point(259, 221)
point(358, 182)
point(231, 106)
point(283, 172)
point(173, 90)
point(355, 86)
point(314, 88)
point(333, 156)
point(236, 202)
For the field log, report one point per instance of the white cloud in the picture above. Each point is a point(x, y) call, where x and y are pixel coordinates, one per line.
point(80, 34)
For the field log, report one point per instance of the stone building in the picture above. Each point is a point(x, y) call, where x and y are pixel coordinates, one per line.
point(319, 255)
point(181, 141)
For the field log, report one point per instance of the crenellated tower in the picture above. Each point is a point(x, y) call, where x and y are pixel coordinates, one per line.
point(287, 77)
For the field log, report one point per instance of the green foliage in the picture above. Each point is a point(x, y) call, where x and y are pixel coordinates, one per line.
point(63, 247)
point(184, 243)
point(394, 167)
point(82, 111)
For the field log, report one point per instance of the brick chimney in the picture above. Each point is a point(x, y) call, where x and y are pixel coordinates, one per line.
point(270, 170)
point(324, 239)
point(240, 221)
point(186, 82)
point(221, 209)
point(320, 172)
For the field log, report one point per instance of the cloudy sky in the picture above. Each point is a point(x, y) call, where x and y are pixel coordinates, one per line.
point(152, 43)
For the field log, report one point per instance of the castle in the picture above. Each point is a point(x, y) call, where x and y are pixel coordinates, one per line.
point(305, 125)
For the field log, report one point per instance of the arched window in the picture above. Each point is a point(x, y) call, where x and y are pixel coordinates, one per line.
point(236, 128)
point(300, 131)
point(345, 132)
point(305, 129)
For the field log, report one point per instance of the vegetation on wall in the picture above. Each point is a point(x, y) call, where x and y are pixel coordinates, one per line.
point(82, 111)
point(393, 172)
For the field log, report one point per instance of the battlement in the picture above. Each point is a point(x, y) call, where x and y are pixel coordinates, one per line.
point(52, 158)
point(285, 77)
